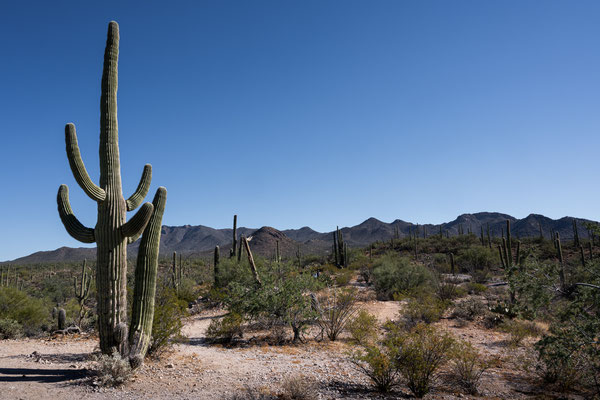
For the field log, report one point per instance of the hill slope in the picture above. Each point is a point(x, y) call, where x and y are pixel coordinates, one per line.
point(200, 240)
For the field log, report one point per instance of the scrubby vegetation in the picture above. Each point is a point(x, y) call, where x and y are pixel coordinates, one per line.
point(544, 302)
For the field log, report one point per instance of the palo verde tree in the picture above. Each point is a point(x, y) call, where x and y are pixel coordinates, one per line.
point(113, 232)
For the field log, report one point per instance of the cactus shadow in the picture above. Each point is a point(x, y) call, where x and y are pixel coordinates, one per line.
point(41, 375)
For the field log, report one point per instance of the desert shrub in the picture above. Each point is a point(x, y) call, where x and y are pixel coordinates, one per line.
point(566, 362)
point(366, 273)
point(29, 312)
point(343, 277)
point(477, 258)
point(393, 274)
point(448, 291)
point(469, 309)
point(187, 291)
point(168, 320)
point(281, 300)
point(519, 330)
point(467, 367)
point(363, 327)
point(441, 264)
point(492, 320)
point(10, 329)
point(476, 288)
point(225, 329)
point(423, 309)
point(421, 353)
point(335, 309)
point(112, 370)
point(299, 388)
point(378, 363)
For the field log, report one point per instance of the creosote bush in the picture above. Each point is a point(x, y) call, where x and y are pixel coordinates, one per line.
point(169, 312)
point(467, 367)
point(395, 275)
point(226, 329)
point(378, 363)
point(335, 310)
point(363, 327)
point(519, 330)
point(421, 354)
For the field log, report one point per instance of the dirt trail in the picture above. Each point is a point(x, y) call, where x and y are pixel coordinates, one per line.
point(195, 370)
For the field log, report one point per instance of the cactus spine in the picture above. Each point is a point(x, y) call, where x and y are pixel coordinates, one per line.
point(112, 232)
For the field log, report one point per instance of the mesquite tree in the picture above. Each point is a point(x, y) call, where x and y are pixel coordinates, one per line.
point(112, 232)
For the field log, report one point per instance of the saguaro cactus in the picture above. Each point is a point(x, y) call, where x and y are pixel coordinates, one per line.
point(82, 291)
point(217, 257)
point(112, 232)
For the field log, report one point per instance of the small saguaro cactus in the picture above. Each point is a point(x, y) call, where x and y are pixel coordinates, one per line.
point(575, 233)
point(113, 232)
point(82, 291)
point(234, 242)
point(217, 257)
point(62, 319)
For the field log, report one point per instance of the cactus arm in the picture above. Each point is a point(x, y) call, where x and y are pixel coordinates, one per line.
point(136, 199)
point(75, 228)
point(136, 225)
point(145, 283)
point(78, 168)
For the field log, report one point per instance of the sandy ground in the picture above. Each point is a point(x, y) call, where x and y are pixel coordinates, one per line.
point(196, 370)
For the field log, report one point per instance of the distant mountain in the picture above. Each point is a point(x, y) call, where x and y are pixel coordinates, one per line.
point(201, 240)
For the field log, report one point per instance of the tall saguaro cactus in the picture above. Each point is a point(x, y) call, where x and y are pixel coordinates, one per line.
point(113, 232)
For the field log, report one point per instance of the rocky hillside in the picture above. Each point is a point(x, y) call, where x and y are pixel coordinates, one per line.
point(201, 240)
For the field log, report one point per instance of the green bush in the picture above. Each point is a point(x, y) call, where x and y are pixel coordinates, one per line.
point(421, 354)
point(363, 328)
point(477, 261)
point(423, 309)
point(393, 275)
point(476, 288)
point(335, 310)
point(10, 329)
point(226, 329)
point(168, 320)
point(467, 367)
point(446, 291)
point(469, 309)
point(378, 363)
point(519, 330)
point(29, 312)
point(282, 299)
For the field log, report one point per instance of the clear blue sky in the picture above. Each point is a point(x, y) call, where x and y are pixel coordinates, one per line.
point(294, 113)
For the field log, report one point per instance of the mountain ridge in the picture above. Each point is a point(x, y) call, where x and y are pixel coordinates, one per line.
point(200, 240)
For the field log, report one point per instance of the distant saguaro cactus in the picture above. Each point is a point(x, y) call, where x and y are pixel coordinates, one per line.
point(112, 232)
point(82, 291)
point(217, 257)
point(234, 242)
point(62, 319)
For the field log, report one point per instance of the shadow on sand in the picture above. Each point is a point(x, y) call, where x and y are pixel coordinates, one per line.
point(41, 375)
